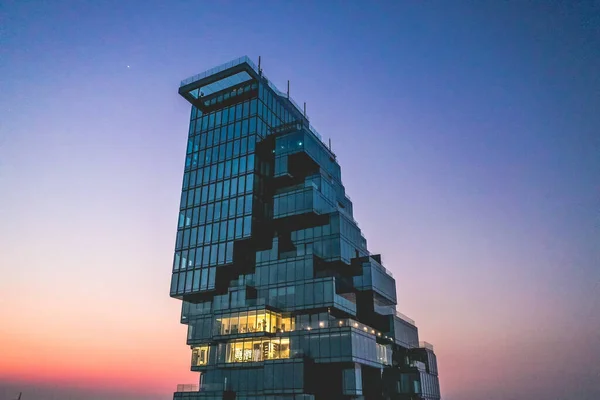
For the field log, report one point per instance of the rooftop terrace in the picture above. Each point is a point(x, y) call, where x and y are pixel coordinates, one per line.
point(234, 79)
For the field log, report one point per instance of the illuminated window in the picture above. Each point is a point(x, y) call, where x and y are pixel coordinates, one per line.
point(257, 350)
point(200, 355)
point(253, 321)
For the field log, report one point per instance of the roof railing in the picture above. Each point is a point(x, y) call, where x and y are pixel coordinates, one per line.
point(187, 387)
point(217, 69)
point(426, 345)
point(246, 59)
point(405, 318)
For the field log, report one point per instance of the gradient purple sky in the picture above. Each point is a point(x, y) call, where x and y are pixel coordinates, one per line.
point(469, 139)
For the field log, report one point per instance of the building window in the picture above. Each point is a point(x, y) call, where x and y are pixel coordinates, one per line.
point(257, 350)
point(200, 356)
point(253, 321)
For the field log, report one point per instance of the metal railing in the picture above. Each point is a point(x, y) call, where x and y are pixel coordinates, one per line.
point(381, 267)
point(246, 59)
point(187, 387)
point(344, 322)
point(390, 310)
point(218, 69)
point(205, 387)
point(426, 345)
point(384, 310)
point(405, 318)
point(344, 302)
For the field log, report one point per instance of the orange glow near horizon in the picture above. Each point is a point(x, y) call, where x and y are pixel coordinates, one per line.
point(152, 368)
point(92, 352)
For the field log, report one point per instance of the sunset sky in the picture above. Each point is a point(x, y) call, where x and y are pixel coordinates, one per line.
point(469, 139)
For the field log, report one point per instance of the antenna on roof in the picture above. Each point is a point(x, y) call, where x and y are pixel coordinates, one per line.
point(329, 144)
point(304, 109)
point(259, 69)
point(288, 92)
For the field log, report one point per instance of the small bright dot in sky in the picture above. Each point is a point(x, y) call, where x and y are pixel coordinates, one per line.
point(128, 66)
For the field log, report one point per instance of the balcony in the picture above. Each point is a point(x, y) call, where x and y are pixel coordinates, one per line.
point(218, 69)
point(391, 310)
point(195, 392)
point(345, 322)
point(187, 387)
point(233, 79)
point(376, 278)
point(301, 202)
point(344, 304)
point(384, 310)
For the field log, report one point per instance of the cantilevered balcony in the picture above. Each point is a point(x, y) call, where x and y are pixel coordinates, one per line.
point(225, 83)
point(376, 278)
point(302, 204)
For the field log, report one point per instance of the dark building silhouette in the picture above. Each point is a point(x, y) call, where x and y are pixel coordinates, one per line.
point(280, 294)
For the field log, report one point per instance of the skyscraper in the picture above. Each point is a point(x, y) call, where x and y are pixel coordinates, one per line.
point(281, 296)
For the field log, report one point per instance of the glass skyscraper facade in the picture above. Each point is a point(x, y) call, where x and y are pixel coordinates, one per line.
point(281, 296)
